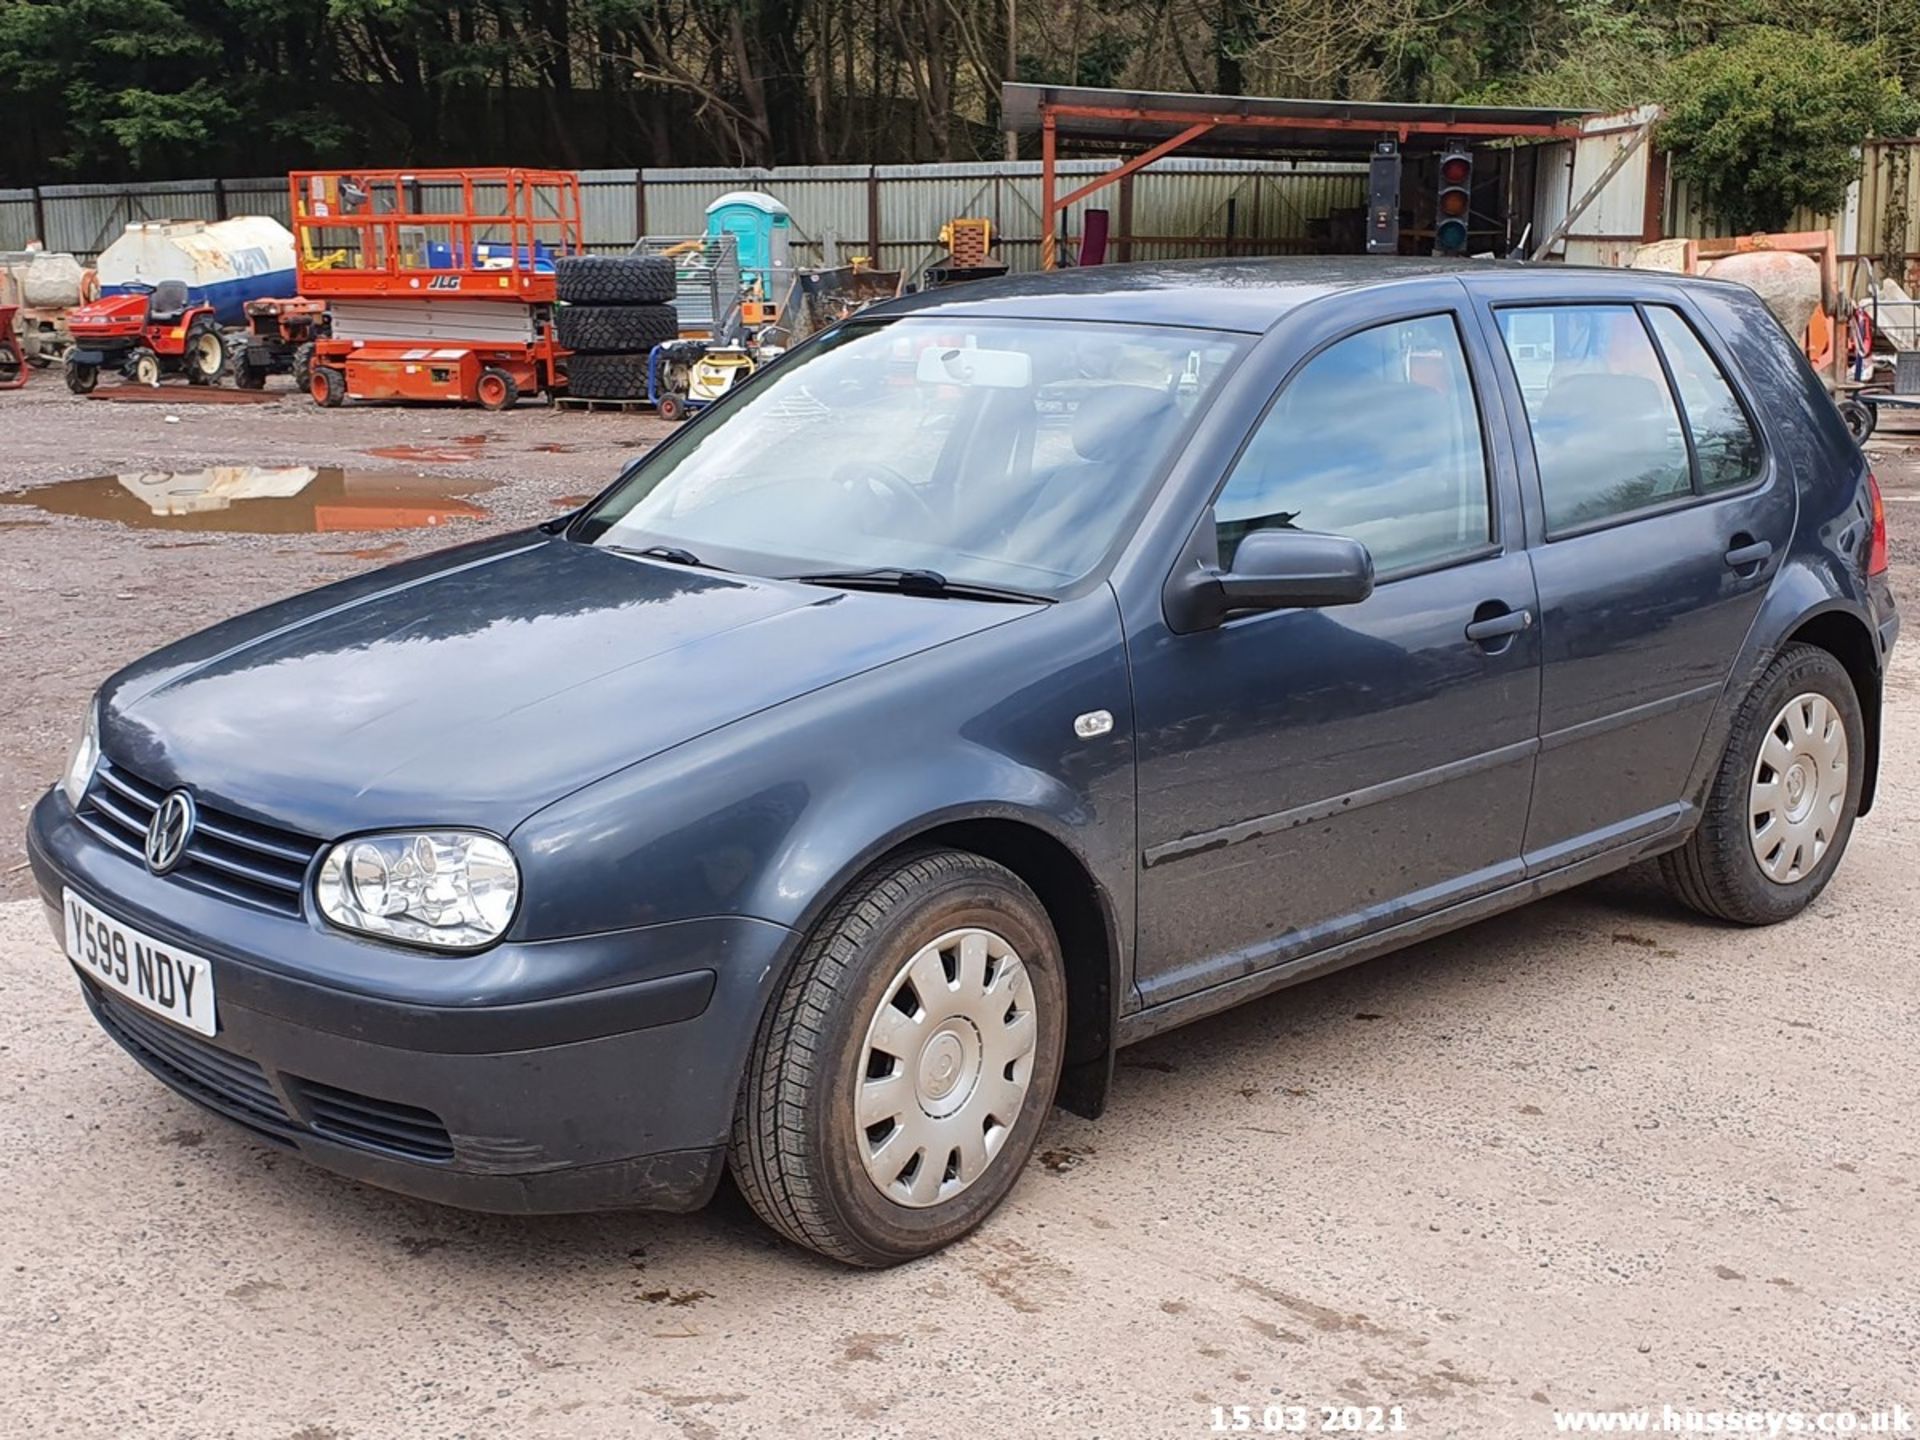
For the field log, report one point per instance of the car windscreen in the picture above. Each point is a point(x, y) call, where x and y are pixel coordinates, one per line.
point(996, 452)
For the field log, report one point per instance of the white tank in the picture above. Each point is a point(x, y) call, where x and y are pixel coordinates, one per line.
point(223, 263)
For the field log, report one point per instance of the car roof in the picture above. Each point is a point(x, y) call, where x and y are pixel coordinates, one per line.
point(1246, 295)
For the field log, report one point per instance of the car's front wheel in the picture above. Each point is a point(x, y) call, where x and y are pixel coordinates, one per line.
point(900, 1077)
point(1783, 801)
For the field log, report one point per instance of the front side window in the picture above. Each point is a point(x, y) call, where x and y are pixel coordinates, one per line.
point(1723, 438)
point(1005, 453)
point(1606, 435)
point(1378, 438)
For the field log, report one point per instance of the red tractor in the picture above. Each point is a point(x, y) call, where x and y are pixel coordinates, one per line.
point(145, 337)
point(278, 340)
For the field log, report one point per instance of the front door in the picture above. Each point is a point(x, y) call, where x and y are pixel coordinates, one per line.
point(1309, 776)
point(1661, 515)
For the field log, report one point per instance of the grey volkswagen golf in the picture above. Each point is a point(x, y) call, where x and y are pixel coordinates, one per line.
point(1010, 673)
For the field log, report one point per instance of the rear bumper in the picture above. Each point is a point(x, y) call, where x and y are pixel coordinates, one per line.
point(611, 1097)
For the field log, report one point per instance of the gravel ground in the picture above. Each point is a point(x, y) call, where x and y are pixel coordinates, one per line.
point(1595, 1153)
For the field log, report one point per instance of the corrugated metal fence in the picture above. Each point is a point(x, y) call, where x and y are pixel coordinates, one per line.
point(1879, 218)
point(892, 213)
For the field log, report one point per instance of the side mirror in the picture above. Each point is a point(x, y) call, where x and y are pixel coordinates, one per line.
point(1277, 570)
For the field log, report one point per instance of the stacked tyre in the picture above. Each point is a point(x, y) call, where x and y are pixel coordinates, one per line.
point(615, 309)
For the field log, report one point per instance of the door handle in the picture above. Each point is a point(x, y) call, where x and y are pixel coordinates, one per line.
point(1498, 627)
point(1749, 556)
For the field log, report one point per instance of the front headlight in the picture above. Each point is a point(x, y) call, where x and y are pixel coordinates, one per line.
point(86, 755)
point(449, 888)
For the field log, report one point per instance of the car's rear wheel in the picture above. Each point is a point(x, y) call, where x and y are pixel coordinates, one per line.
point(1783, 801)
point(902, 1074)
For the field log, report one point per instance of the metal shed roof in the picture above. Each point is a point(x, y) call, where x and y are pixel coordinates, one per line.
point(1249, 124)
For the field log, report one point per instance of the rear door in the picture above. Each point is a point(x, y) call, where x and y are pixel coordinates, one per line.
point(1658, 514)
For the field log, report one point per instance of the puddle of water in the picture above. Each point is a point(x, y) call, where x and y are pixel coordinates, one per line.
point(261, 500)
point(454, 450)
point(456, 454)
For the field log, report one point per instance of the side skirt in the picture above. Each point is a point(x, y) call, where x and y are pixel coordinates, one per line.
point(1157, 1019)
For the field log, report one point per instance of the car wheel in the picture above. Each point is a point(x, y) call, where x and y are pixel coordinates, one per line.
point(1783, 801)
point(901, 1075)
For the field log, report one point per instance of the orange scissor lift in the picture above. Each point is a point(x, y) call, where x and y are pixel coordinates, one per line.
point(439, 283)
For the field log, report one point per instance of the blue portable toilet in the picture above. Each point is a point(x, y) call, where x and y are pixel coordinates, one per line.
point(761, 224)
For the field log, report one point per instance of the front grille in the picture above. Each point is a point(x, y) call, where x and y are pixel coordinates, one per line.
point(236, 1086)
point(228, 856)
point(227, 1081)
point(381, 1124)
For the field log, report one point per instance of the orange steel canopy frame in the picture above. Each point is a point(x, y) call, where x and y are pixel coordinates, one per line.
point(476, 233)
point(1239, 126)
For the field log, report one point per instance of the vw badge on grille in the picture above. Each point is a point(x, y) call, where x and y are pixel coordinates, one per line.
point(169, 831)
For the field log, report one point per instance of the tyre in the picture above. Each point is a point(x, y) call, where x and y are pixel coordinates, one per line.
point(82, 378)
point(143, 367)
point(1860, 417)
point(1783, 801)
point(672, 407)
point(900, 1077)
point(328, 387)
point(614, 279)
point(615, 329)
point(237, 344)
point(496, 390)
point(303, 366)
point(607, 377)
point(205, 356)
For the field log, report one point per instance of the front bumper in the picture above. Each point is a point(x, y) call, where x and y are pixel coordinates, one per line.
point(588, 1073)
point(102, 351)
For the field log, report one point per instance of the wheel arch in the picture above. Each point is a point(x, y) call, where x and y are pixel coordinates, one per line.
point(1081, 909)
point(1846, 637)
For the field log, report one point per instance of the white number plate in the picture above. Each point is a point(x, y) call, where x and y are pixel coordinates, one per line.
point(154, 975)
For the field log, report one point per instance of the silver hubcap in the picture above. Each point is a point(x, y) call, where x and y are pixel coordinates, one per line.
point(945, 1068)
point(1799, 788)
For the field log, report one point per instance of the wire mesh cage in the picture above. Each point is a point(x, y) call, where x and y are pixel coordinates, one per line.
point(706, 279)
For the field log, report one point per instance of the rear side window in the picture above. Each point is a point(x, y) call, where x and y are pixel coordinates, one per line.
point(1723, 438)
point(1606, 435)
point(1378, 438)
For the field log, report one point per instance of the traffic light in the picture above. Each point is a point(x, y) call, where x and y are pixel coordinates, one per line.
point(1454, 202)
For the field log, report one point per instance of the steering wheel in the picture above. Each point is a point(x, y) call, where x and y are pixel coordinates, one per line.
point(890, 480)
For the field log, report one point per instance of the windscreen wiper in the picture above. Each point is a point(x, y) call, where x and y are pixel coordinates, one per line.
point(911, 581)
point(672, 554)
